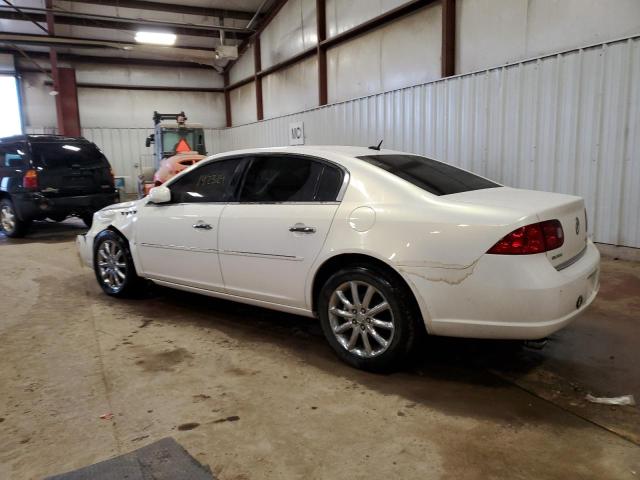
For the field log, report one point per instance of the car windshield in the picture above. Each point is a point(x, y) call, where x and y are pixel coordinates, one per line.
point(66, 155)
point(435, 177)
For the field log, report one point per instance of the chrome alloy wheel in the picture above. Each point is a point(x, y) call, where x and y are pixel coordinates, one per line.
point(112, 265)
point(7, 218)
point(361, 319)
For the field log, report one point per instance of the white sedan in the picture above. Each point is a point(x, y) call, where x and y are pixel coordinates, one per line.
point(377, 244)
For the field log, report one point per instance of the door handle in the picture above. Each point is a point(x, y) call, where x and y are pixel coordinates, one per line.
point(202, 226)
point(298, 228)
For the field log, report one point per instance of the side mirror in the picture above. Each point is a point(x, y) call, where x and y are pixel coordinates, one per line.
point(159, 194)
point(150, 139)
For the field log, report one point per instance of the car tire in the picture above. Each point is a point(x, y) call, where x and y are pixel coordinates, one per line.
point(10, 224)
point(113, 265)
point(87, 218)
point(365, 333)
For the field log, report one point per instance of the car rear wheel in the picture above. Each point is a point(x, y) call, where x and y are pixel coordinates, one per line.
point(114, 266)
point(368, 319)
point(11, 225)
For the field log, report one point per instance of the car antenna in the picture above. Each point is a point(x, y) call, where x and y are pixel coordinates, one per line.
point(374, 147)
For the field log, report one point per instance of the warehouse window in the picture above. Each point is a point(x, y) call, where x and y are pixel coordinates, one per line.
point(10, 119)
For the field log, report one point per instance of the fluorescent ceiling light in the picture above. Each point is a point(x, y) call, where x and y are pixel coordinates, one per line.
point(72, 148)
point(156, 38)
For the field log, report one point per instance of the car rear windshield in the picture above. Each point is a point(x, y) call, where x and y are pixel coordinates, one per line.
point(430, 175)
point(68, 155)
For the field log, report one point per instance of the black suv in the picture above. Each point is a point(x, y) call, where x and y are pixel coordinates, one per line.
point(51, 176)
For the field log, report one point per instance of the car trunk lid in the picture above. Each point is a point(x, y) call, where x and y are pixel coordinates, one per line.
point(567, 209)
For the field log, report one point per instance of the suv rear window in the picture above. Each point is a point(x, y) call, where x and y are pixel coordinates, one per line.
point(68, 155)
point(430, 175)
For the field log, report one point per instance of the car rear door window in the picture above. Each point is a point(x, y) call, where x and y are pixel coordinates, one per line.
point(12, 155)
point(329, 184)
point(212, 182)
point(289, 178)
point(435, 177)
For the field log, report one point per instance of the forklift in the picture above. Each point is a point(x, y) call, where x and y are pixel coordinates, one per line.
point(172, 136)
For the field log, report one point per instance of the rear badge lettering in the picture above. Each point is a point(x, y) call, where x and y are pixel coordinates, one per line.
point(556, 256)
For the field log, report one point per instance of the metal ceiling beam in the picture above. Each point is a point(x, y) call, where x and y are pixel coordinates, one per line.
point(122, 24)
point(176, 7)
point(79, 42)
point(74, 58)
point(153, 88)
point(138, 21)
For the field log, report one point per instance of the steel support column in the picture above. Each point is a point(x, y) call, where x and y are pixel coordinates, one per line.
point(64, 82)
point(257, 62)
point(227, 98)
point(448, 38)
point(67, 98)
point(321, 17)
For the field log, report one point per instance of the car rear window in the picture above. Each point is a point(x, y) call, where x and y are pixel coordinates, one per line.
point(68, 155)
point(430, 175)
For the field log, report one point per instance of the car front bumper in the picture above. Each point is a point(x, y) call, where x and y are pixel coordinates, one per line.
point(83, 248)
point(506, 297)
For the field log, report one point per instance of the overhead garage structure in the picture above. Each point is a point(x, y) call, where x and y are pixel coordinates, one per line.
point(531, 94)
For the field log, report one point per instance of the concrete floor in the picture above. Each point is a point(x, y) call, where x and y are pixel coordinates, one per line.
point(259, 395)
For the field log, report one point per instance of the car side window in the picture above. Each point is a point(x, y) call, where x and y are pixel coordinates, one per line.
point(329, 184)
point(283, 178)
point(12, 156)
point(212, 182)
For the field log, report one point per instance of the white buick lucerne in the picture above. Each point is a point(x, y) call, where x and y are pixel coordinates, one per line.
point(375, 243)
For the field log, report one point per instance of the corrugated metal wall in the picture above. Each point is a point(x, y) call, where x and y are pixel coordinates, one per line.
point(566, 123)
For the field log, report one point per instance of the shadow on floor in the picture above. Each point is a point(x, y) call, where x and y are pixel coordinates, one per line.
point(48, 231)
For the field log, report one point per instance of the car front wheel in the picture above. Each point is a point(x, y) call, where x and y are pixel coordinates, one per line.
point(114, 266)
point(368, 318)
point(12, 226)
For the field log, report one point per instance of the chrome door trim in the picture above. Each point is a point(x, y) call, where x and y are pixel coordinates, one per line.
point(262, 255)
point(179, 247)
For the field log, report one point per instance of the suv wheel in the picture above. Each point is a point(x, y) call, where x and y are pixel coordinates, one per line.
point(114, 266)
point(369, 321)
point(9, 221)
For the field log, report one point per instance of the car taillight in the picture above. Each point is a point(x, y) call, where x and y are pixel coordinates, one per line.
point(157, 183)
point(113, 177)
point(534, 238)
point(30, 180)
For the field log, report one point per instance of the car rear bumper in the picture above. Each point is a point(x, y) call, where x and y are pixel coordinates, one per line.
point(35, 205)
point(503, 296)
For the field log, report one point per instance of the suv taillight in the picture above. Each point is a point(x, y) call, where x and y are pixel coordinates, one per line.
point(535, 238)
point(30, 180)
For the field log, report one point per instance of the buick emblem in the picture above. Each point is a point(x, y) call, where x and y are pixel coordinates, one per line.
point(577, 225)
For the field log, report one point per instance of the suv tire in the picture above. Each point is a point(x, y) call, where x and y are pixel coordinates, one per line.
point(11, 225)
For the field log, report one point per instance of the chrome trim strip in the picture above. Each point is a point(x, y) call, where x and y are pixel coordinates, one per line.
point(262, 255)
point(179, 247)
point(224, 252)
point(572, 260)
